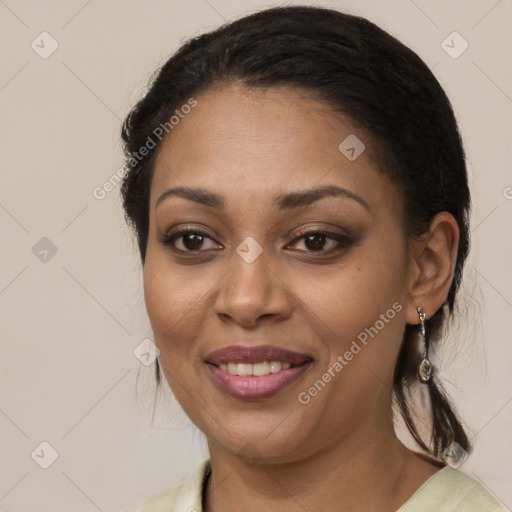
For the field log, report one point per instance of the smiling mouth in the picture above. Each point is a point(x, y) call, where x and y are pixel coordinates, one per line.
point(255, 373)
point(256, 370)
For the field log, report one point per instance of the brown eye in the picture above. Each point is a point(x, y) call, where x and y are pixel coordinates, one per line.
point(315, 242)
point(187, 240)
point(322, 241)
point(193, 241)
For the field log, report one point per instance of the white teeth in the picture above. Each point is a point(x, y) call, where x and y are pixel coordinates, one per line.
point(244, 369)
point(275, 366)
point(258, 369)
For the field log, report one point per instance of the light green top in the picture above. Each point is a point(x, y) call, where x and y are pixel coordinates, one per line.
point(448, 490)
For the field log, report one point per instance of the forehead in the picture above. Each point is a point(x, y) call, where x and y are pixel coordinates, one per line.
point(266, 141)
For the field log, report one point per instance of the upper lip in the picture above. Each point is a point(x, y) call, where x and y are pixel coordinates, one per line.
point(253, 355)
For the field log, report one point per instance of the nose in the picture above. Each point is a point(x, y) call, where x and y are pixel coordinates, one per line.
point(252, 292)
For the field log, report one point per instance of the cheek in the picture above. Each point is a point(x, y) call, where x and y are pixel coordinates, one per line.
point(357, 310)
point(354, 294)
point(175, 298)
point(359, 321)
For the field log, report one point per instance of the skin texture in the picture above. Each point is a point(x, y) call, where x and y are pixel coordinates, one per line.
point(249, 146)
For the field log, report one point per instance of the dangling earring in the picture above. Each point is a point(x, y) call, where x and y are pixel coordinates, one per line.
point(157, 371)
point(425, 369)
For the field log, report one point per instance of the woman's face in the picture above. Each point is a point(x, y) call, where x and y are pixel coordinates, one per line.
point(311, 324)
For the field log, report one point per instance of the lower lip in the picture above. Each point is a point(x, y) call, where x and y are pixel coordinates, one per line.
point(255, 388)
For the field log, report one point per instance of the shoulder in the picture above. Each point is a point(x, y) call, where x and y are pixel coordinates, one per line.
point(450, 490)
point(185, 496)
point(161, 502)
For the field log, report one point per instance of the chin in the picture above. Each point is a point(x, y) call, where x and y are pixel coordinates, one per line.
point(259, 443)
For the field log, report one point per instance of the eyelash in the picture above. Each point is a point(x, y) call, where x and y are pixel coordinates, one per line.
point(342, 240)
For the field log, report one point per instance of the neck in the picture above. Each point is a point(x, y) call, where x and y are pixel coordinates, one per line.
point(365, 471)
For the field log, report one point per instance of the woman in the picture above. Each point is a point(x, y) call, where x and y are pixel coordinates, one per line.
point(297, 185)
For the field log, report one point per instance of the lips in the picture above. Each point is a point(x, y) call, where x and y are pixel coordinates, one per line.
point(252, 355)
point(255, 373)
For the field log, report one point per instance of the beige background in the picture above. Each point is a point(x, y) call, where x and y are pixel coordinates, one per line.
point(70, 324)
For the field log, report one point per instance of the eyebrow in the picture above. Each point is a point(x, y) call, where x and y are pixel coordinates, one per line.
point(283, 201)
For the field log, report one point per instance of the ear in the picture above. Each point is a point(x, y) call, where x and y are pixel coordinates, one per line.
point(431, 266)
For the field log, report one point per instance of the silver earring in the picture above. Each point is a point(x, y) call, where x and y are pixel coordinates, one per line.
point(425, 369)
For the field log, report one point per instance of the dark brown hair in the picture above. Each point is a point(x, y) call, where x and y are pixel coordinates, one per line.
point(364, 73)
